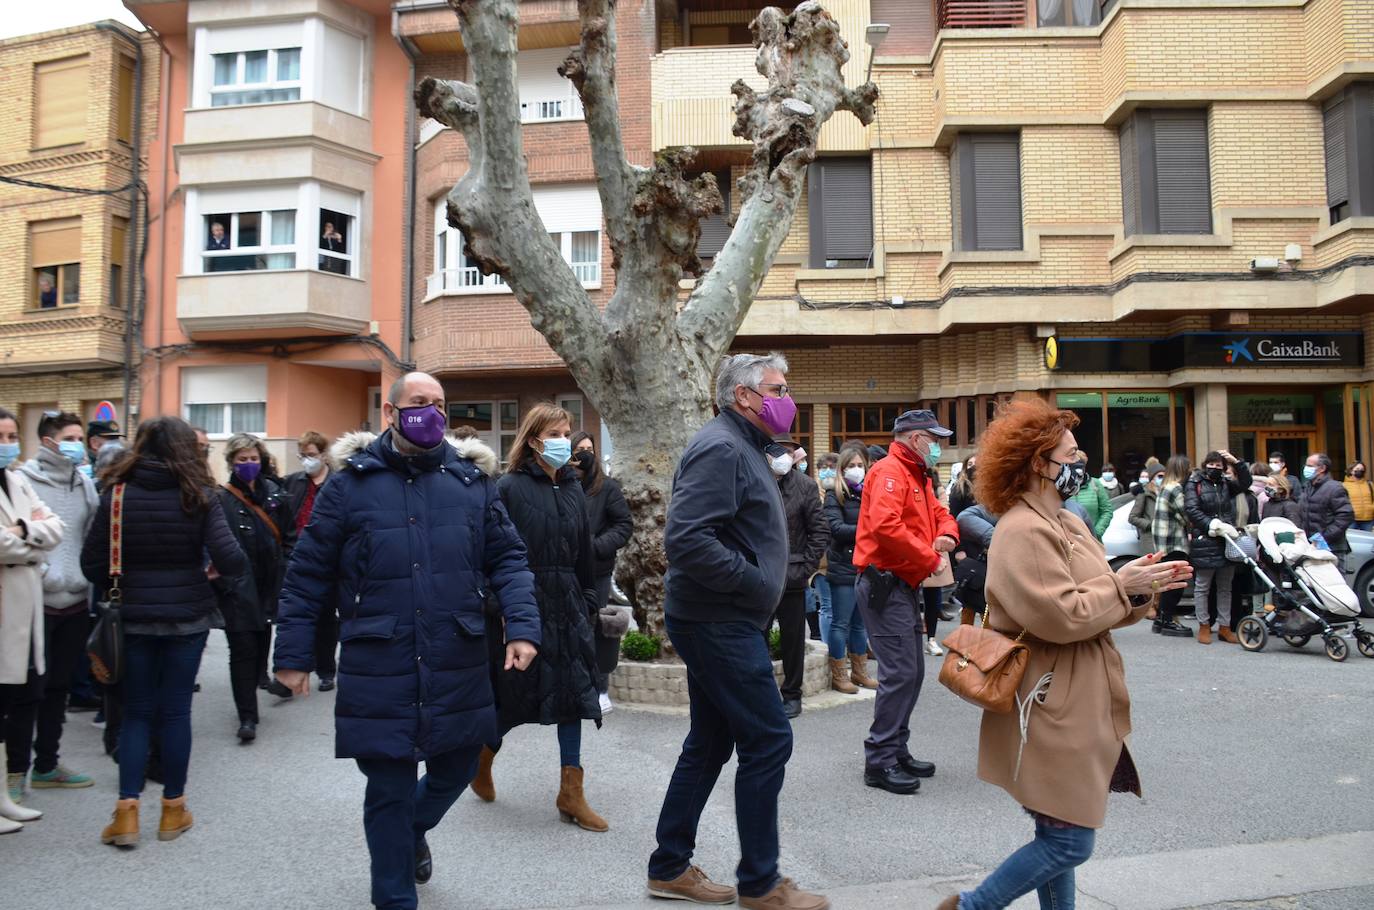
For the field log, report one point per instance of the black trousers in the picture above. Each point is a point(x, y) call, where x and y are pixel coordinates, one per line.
point(791, 619)
point(327, 643)
point(248, 654)
point(1169, 600)
point(934, 601)
point(44, 706)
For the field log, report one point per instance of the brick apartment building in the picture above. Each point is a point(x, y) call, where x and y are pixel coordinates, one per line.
point(66, 285)
point(1157, 212)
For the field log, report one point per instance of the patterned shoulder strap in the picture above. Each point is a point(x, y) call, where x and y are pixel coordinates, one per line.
point(116, 537)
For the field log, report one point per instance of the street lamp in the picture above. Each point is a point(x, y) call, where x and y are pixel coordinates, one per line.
point(873, 36)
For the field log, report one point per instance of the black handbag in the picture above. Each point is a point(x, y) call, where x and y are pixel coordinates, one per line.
point(105, 645)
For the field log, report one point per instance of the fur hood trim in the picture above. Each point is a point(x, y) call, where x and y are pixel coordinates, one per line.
point(480, 454)
point(474, 450)
point(348, 445)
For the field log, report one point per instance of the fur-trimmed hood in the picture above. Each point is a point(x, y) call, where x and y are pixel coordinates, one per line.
point(349, 445)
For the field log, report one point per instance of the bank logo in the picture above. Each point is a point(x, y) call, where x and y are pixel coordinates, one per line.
point(1051, 353)
point(1237, 350)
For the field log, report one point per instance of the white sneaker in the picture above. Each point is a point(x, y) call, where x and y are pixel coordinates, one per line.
point(933, 648)
point(606, 706)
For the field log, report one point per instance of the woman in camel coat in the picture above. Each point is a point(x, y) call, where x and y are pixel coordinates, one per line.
point(1048, 575)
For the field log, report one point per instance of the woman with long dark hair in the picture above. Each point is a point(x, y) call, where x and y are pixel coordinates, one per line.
point(846, 636)
point(168, 522)
point(611, 527)
point(546, 502)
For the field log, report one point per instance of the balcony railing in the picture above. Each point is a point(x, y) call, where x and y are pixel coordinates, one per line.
point(981, 13)
point(536, 110)
point(471, 281)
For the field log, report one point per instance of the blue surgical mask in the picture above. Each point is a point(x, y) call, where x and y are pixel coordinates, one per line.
point(74, 449)
point(9, 451)
point(826, 475)
point(1108, 476)
point(801, 466)
point(1308, 472)
point(557, 452)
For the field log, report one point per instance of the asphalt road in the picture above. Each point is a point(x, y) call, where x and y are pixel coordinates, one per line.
point(1258, 775)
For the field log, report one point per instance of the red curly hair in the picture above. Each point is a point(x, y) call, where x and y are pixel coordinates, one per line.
point(1008, 448)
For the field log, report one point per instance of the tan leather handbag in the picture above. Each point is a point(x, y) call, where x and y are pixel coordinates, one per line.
point(984, 667)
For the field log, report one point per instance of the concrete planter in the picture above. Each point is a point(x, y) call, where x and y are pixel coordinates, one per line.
point(634, 682)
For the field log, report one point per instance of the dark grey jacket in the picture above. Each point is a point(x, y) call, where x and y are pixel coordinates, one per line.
point(808, 534)
point(1326, 510)
point(726, 536)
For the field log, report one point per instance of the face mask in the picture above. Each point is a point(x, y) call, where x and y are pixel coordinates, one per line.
point(1214, 474)
point(854, 476)
point(1144, 479)
point(311, 466)
point(1070, 478)
point(1158, 481)
point(1358, 473)
point(777, 414)
point(247, 471)
point(422, 426)
point(583, 460)
point(1108, 476)
point(931, 456)
point(556, 452)
point(780, 464)
point(9, 451)
point(826, 475)
point(1276, 466)
point(74, 449)
point(1308, 472)
point(969, 474)
point(1273, 492)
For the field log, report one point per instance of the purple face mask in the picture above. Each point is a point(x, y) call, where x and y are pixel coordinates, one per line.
point(777, 414)
point(247, 471)
point(423, 426)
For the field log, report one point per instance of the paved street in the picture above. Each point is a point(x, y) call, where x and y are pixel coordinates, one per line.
point(1257, 769)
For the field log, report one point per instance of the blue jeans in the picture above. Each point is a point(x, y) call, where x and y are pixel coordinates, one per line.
point(1045, 866)
point(397, 811)
point(159, 675)
point(570, 744)
point(735, 706)
point(846, 625)
point(821, 585)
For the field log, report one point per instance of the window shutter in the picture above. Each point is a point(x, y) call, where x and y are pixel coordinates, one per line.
point(119, 233)
point(847, 200)
point(1130, 178)
point(715, 229)
point(55, 242)
point(1182, 180)
point(997, 191)
point(59, 102)
point(1337, 177)
point(124, 113)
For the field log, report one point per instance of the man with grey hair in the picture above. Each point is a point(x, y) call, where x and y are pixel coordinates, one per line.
point(726, 541)
point(1326, 506)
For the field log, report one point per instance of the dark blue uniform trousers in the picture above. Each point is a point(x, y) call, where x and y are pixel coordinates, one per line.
point(895, 633)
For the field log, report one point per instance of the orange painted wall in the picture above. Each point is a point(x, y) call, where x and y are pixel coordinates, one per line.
point(390, 98)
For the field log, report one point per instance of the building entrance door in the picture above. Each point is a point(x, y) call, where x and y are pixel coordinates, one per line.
point(1295, 445)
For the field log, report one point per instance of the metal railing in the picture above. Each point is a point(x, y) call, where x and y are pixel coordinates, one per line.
point(471, 281)
point(980, 13)
point(535, 110)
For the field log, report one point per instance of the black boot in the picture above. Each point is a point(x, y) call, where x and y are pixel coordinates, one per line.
point(424, 863)
point(893, 780)
point(248, 731)
point(1171, 628)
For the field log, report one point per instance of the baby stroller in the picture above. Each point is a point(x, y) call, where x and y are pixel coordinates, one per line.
point(1310, 597)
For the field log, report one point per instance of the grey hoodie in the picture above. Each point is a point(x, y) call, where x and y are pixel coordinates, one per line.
point(72, 497)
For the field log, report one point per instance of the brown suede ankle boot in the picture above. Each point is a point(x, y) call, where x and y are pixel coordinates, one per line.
point(967, 616)
point(1204, 634)
point(122, 831)
point(1226, 635)
point(858, 671)
point(839, 677)
point(482, 785)
point(176, 819)
point(572, 805)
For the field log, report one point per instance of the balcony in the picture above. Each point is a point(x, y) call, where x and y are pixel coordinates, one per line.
point(471, 281)
point(544, 110)
point(980, 13)
point(249, 304)
point(275, 123)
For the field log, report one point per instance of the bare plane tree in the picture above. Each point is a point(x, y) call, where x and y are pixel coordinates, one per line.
point(647, 361)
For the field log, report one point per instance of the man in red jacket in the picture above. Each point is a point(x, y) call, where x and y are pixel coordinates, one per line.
point(905, 535)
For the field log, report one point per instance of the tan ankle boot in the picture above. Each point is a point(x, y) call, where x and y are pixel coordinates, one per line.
point(572, 805)
point(967, 616)
point(122, 831)
point(1204, 634)
point(858, 671)
point(1226, 635)
point(482, 785)
point(176, 819)
point(839, 677)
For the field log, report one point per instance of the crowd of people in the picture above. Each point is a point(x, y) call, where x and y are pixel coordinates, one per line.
point(450, 601)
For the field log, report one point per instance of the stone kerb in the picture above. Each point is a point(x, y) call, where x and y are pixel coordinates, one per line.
point(636, 682)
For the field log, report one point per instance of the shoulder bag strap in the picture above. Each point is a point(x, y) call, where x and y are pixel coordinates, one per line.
point(116, 539)
point(257, 510)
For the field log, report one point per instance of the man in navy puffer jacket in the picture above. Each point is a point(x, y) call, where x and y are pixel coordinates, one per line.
point(403, 541)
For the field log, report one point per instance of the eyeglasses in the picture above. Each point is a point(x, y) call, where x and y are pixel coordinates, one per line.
point(783, 390)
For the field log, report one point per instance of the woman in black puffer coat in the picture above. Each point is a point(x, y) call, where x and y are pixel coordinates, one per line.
point(611, 527)
point(1209, 500)
point(847, 638)
point(258, 514)
point(170, 521)
point(546, 503)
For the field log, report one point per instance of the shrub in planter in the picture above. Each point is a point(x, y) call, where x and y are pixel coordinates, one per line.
point(775, 643)
point(638, 646)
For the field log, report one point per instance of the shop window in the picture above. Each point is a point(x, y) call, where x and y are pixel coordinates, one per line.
point(1138, 428)
point(336, 238)
point(840, 204)
point(256, 77)
point(119, 233)
point(55, 260)
point(59, 101)
point(249, 241)
point(1088, 433)
point(1348, 128)
point(1165, 178)
point(985, 190)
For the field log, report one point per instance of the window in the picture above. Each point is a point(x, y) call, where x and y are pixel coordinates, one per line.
point(544, 94)
point(256, 77)
point(1069, 12)
point(124, 110)
point(119, 232)
point(719, 35)
point(55, 258)
point(573, 405)
point(249, 241)
point(225, 400)
point(985, 190)
point(1348, 124)
point(496, 422)
point(870, 424)
point(59, 101)
point(840, 200)
point(1165, 181)
point(336, 237)
point(715, 229)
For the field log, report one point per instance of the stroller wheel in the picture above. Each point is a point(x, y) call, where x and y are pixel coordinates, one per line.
point(1297, 641)
point(1365, 642)
point(1252, 633)
point(1336, 648)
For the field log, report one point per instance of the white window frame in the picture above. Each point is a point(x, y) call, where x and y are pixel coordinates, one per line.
point(305, 198)
point(542, 99)
point(266, 219)
point(239, 86)
point(580, 413)
point(494, 437)
point(232, 385)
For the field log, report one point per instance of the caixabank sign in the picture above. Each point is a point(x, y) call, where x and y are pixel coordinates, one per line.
point(1232, 350)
